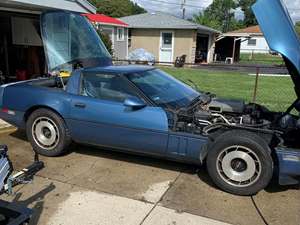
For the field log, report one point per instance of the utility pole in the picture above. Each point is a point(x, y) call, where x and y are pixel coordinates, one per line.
point(183, 8)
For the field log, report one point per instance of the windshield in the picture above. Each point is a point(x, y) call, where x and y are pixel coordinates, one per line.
point(69, 38)
point(163, 89)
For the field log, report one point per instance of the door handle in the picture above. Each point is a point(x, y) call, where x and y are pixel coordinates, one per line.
point(79, 105)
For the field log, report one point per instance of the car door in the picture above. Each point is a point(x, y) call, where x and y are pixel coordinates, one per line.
point(99, 116)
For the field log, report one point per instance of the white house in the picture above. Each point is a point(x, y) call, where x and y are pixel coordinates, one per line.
point(252, 41)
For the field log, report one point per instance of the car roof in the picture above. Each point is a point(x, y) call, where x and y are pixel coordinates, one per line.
point(119, 69)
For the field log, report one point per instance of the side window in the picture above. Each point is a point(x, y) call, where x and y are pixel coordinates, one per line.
point(252, 42)
point(106, 87)
point(120, 34)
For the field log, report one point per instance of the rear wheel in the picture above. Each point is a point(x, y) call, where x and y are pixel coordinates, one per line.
point(47, 132)
point(240, 163)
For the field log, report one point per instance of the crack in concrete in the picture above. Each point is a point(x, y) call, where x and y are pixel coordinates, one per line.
point(162, 196)
point(258, 211)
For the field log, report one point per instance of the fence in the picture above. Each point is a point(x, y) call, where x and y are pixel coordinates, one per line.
point(261, 58)
point(270, 86)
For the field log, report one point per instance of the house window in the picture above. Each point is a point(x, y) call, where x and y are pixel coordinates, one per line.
point(120, 34)
point(167, 40)
point(252, 42)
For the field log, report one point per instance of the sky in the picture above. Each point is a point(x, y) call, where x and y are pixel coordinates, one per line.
point(193, 6)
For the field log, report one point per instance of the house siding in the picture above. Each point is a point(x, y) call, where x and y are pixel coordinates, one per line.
point(260, 47)
point(120, 47)
point(211, 48)
point(185, 44)
point(149, 39)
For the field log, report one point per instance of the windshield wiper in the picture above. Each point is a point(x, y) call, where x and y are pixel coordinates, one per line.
point(194, 84)
point(195, 100)
point(203, 98)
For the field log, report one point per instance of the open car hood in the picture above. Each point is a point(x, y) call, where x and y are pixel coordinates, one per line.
point(278, 29)
point(70, 41)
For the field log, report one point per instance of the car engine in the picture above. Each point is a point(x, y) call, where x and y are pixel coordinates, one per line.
point(208, 114)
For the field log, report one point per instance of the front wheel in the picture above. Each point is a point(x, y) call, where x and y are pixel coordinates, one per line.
point(240, 163)
point(47, 133)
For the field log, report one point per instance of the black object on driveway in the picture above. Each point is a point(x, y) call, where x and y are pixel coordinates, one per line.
point(13, 213)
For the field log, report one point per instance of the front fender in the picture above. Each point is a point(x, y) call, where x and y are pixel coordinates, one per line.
point(288, 165)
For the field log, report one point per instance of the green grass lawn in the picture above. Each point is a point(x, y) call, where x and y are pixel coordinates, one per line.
point(276, 93)
point(259, 58)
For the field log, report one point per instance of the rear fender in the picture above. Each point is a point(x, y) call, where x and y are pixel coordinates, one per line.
point(34, 98)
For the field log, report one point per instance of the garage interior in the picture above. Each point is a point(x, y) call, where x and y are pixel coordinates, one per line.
point(202, 48)
point(227, 47)
point(21, 49)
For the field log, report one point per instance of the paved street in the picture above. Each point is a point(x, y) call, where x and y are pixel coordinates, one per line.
point(95, 186)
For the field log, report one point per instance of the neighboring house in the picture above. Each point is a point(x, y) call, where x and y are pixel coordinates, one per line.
point(166, 37)
point(230, 45)
point(117, 31)
point(252, 41)
point(21, 50)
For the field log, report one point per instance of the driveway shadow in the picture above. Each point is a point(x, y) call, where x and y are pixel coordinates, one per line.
point(141, 159)
point(37, 200)
point(19, 134)
point(109, 153)
point(274, 187)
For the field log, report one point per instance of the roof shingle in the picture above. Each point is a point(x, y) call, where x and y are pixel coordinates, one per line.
point(250, 30)
point(159, 20)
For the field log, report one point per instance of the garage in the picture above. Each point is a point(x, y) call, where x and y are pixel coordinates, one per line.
point(21, 48)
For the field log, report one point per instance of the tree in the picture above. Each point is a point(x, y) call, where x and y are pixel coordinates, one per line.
point(117, 8)
point(106, 41)
point(297, 27)
point(219, 15)
point(249, 18)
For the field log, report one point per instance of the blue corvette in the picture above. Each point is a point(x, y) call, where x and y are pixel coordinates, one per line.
point(143, 110)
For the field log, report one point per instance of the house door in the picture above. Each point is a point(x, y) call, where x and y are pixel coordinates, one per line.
point(166, 46)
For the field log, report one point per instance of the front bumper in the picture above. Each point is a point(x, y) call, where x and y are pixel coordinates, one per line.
point(288, 165)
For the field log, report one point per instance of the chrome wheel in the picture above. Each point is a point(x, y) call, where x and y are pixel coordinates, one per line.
point(238, 166)
point(45, 133)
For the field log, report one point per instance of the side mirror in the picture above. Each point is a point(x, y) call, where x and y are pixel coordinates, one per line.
point(134, 103)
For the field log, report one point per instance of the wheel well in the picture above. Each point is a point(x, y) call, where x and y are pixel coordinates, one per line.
point(34, 108)
point(268, 138)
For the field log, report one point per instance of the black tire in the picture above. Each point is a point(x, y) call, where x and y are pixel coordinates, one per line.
point(231, 173)
point(53, 138)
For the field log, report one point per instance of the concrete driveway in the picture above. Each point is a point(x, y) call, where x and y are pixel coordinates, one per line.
point(95, 186)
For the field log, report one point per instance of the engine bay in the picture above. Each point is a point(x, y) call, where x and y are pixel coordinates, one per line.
point(208, 114)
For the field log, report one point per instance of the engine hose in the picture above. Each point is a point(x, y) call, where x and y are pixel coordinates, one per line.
point(207, 129)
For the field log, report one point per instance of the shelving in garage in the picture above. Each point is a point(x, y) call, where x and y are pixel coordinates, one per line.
point(20, 47)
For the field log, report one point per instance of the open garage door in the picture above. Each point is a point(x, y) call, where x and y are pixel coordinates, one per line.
point(20, 47)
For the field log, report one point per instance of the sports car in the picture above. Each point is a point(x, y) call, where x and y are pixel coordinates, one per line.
point(143, 110)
